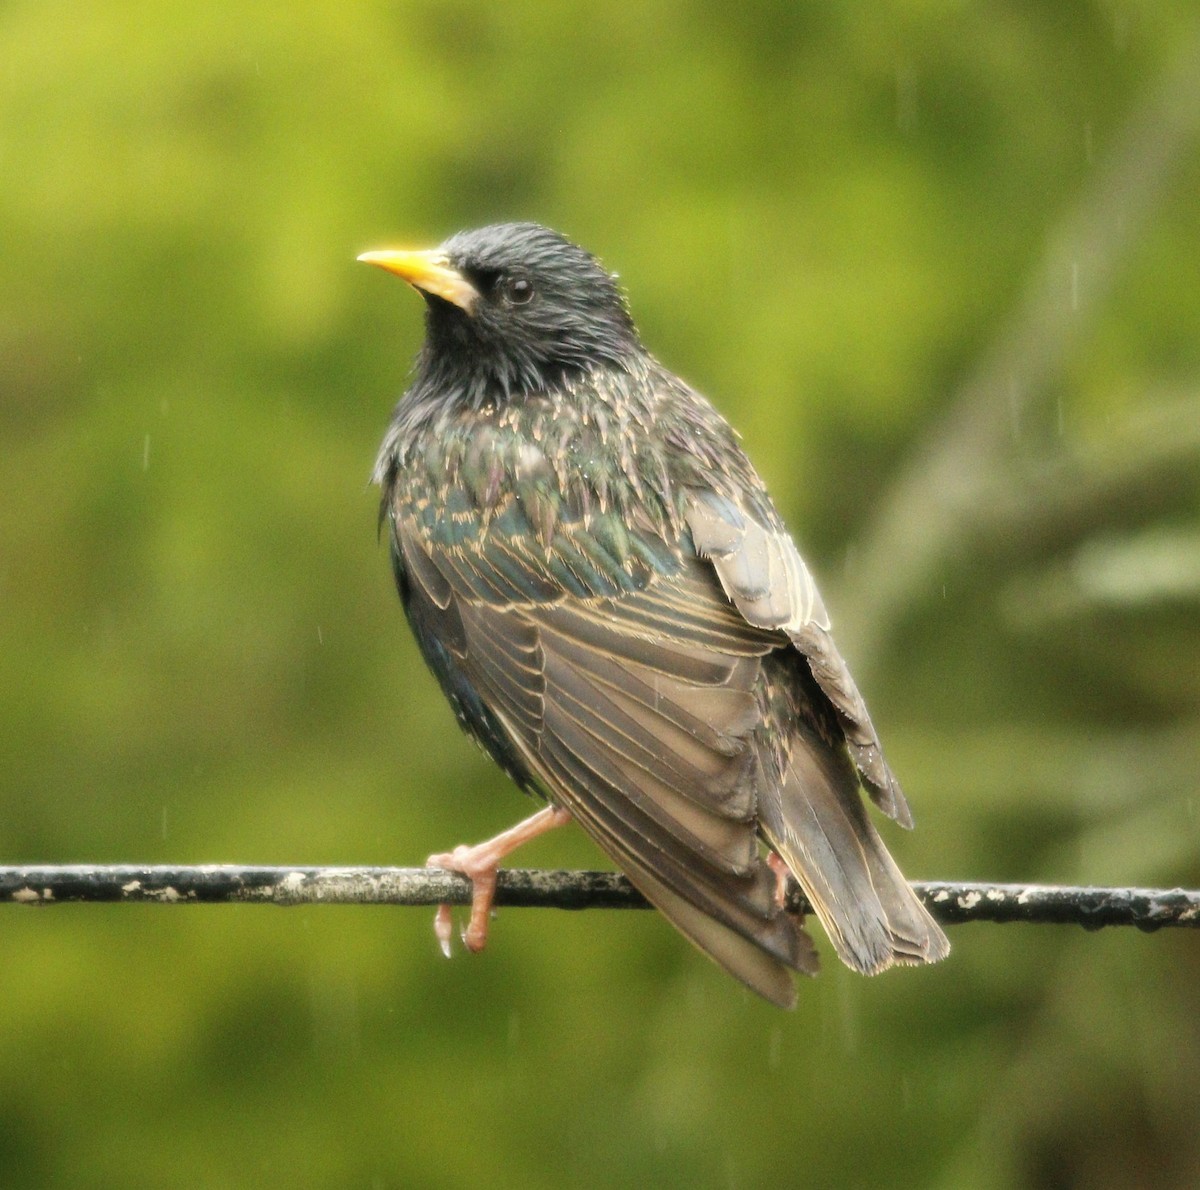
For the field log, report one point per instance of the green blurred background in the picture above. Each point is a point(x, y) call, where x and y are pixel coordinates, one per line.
point(939, 264)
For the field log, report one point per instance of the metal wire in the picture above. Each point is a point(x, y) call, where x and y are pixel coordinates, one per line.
point(952, 902)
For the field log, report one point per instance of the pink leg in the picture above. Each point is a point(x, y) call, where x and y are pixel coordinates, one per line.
point(480, 864)
point(783, 875)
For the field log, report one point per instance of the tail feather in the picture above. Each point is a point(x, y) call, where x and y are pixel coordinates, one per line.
point(748, 954)
point(817, 821)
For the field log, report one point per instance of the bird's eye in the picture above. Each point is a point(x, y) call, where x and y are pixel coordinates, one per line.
point(518, 290)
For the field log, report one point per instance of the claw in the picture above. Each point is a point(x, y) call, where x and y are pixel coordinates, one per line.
point(443, 927)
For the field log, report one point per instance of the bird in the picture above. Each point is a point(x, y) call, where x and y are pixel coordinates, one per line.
point(614, 609)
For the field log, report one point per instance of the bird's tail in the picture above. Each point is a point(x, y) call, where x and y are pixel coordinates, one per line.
point(818, 823)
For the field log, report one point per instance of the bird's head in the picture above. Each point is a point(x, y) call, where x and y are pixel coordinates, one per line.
point(511, 309)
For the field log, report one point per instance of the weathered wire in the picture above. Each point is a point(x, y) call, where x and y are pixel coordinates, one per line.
point(952, 902)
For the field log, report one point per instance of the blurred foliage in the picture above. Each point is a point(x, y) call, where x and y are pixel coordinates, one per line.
point(829, 217)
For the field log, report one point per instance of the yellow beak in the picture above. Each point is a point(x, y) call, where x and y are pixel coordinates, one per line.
point(429, 272)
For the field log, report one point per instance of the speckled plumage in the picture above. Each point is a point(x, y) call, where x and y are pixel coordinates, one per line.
point(597, 576)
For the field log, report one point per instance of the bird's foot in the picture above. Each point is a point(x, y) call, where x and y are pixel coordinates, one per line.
point(481, 865)
point(482, 869)
point(783, 876)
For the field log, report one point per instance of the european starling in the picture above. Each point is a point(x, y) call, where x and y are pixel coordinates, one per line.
point(599, 581)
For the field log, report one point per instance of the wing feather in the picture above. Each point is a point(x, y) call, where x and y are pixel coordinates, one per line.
point(763, 574)
point(626, 674)
point(694, 709)
point(634, 711)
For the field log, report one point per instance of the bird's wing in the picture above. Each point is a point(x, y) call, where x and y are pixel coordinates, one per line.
point(627, 683)
point(763, 574)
